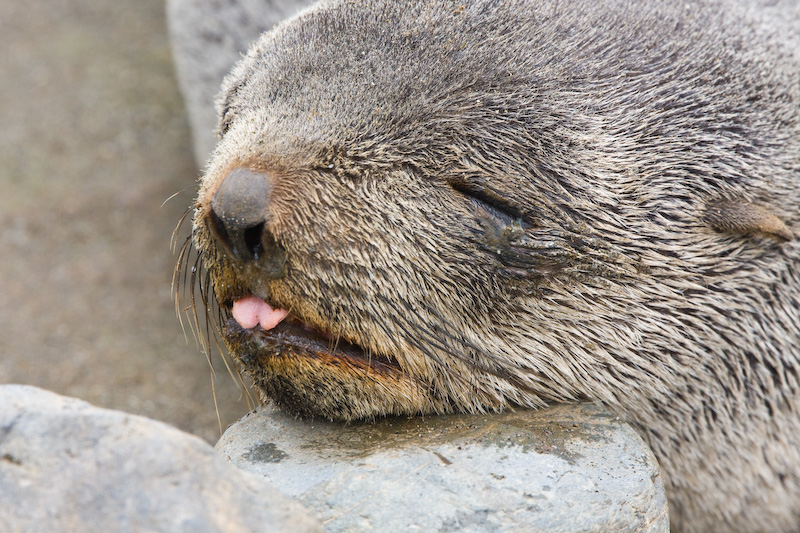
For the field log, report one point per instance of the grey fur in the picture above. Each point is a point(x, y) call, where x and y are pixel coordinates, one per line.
point(509, 202)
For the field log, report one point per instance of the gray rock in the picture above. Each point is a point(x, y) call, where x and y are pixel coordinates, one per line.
point(68, 466)
point(207, 39)
point(566, 468)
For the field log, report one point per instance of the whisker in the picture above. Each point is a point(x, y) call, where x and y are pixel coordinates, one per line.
point(214, 395)
point(171, 196)
point(194, 283)
point(180, 268)
point(179, 225)
point(209, 303)
point(191, 287)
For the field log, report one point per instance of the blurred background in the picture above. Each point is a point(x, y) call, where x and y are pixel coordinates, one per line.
point(94, 143)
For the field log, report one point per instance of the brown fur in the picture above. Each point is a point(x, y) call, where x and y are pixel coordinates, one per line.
point(491, 204)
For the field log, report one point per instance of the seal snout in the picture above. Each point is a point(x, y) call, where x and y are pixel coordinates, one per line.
point(238, 217)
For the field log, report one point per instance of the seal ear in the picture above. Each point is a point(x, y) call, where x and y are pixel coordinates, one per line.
point(743, 217)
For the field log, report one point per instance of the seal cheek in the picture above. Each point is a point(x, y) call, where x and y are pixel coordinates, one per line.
point(238, 217)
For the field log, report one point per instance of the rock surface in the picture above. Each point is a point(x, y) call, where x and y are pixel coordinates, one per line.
point(566, 468)
point(68, 466)
point(207, 39)
point(94, 140)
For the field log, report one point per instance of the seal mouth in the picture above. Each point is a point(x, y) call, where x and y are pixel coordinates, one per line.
point(261, 333)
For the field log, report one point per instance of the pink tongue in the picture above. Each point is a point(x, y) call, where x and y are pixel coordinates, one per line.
point(250, 311)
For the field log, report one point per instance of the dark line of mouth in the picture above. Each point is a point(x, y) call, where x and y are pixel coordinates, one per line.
point(292, 338)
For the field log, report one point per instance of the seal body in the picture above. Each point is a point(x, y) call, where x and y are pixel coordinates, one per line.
point(430, 207)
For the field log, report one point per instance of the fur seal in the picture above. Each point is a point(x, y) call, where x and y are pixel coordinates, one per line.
point(437, 206)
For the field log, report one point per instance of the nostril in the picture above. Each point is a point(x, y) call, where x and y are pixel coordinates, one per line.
point(219, 231)
point(252, 240)
point(238, 217)
point(239, 211)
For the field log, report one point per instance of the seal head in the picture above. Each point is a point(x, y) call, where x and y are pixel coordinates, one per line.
point(424, 207)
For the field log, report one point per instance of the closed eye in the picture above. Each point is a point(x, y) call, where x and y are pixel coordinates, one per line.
point(494, 205)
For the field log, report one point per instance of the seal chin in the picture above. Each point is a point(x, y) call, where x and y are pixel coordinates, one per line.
point(311, 373)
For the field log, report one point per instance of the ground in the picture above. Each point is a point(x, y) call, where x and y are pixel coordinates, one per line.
point(94, 143)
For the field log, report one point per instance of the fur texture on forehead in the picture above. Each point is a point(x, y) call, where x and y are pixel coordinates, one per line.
point(513, 203)
point(515, 59)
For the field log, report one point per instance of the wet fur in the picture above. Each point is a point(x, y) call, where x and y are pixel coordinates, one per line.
point(516, 203)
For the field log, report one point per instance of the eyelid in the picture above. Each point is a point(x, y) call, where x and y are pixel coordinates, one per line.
point(494, 205)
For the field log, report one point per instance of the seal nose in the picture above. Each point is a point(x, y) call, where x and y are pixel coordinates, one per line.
point(238, 215)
